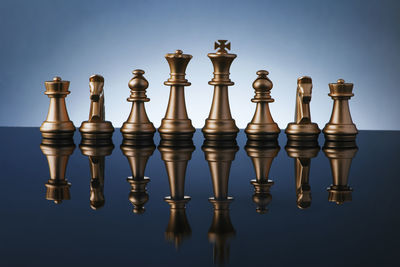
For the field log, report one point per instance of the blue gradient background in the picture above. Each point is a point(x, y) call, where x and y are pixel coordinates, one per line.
point(358, 41)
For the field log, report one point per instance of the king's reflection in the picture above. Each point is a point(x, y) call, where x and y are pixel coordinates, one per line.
point(262, 154)
point(219, 155)
point(138, 153)
point(176, 155)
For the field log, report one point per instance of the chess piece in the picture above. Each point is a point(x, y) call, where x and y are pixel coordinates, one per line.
point(176, 124)
point(138, 154)
point(57, 187)
point(176, 155)
point(262, 154)
point(219, 124)
point(138, 125)
point(96, 156)
point(302, 128)
point(57, 124)
point(96, 128)
point(340, 127)
point(340, 155)
point(302, 156)
point(262, 126)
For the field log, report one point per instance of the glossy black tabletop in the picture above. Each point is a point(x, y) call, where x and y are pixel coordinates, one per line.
point(362, 231)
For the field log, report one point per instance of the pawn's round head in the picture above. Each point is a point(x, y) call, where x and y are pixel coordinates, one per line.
point(138, 82)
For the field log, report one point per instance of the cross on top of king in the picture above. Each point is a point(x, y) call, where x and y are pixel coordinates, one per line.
point(222, 45)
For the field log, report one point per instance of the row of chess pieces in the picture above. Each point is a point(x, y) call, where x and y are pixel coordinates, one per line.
point(219, 126)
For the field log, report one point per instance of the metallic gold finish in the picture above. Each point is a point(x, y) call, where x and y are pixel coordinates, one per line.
point(219, 124)
point(302, 128)
point(302, 163)
point(340, 155)
point(138, 125)
point(57, 187)
point(176, 155)
point(262, 127)
point(138, 154)
point(97, 156)
point(96, 127)
point(176, 124)
point(262, 154)
point(57, 124)
point(340, 127)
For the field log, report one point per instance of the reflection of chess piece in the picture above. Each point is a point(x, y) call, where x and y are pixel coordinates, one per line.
point(176, 155)
point(262, 154)
point(302, 162)
point(262, 126)
point(219, 124)
point(340, 155)
point(96, 127)
point(302, 128)
point(138, 154)
point(340, 127)
point(57, 124)
point(176, 124)
point(57, 188)
point(138, 125)
point(96, 156)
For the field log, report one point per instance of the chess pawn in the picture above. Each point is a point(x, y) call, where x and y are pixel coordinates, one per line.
point(262, 126)
point(340, 127)
point(262, 154)
point(219, 124)
point(302, 156)
point(302, 128)
point(96, 128)
point(57, 187)
point(340, 155)
point(138, 154)
point(176, 124)
point(138, 125)
point(57, 124)
point(96, 155)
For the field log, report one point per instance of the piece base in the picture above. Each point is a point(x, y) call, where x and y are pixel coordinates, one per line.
point(176, 136)
point(263, 136)
point(340, 137)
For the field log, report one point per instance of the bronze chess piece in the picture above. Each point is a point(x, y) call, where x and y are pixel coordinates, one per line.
point(302, 156)
point(340, 127)
point(97, 160)
point(176, 155)
point(57, 124)
point(57, 187)
point(262, 154)
point(219, 124)
point(176, 124)
point(302, 128)
point(340, 155)
point(138, 125)
point(96, 128)
point(138, 153)
point(262, 126)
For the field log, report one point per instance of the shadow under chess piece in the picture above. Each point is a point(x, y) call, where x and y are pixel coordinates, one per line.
point(96, 128)
point(57, 187)
point(340, 127)
point(302, 156)
point(97, 156)
point(340, 156)
point(57, 124)
point(176, 123)
point(138, 154)
point(138, 125)
point(302, 128)
point(262, 154)
point(219, 125)
point(176, 155)
point(262, 127)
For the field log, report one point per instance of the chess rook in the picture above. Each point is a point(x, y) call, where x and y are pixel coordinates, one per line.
point(219, 124)
point(340, 127)
point(57, 124)
point(176, 124)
